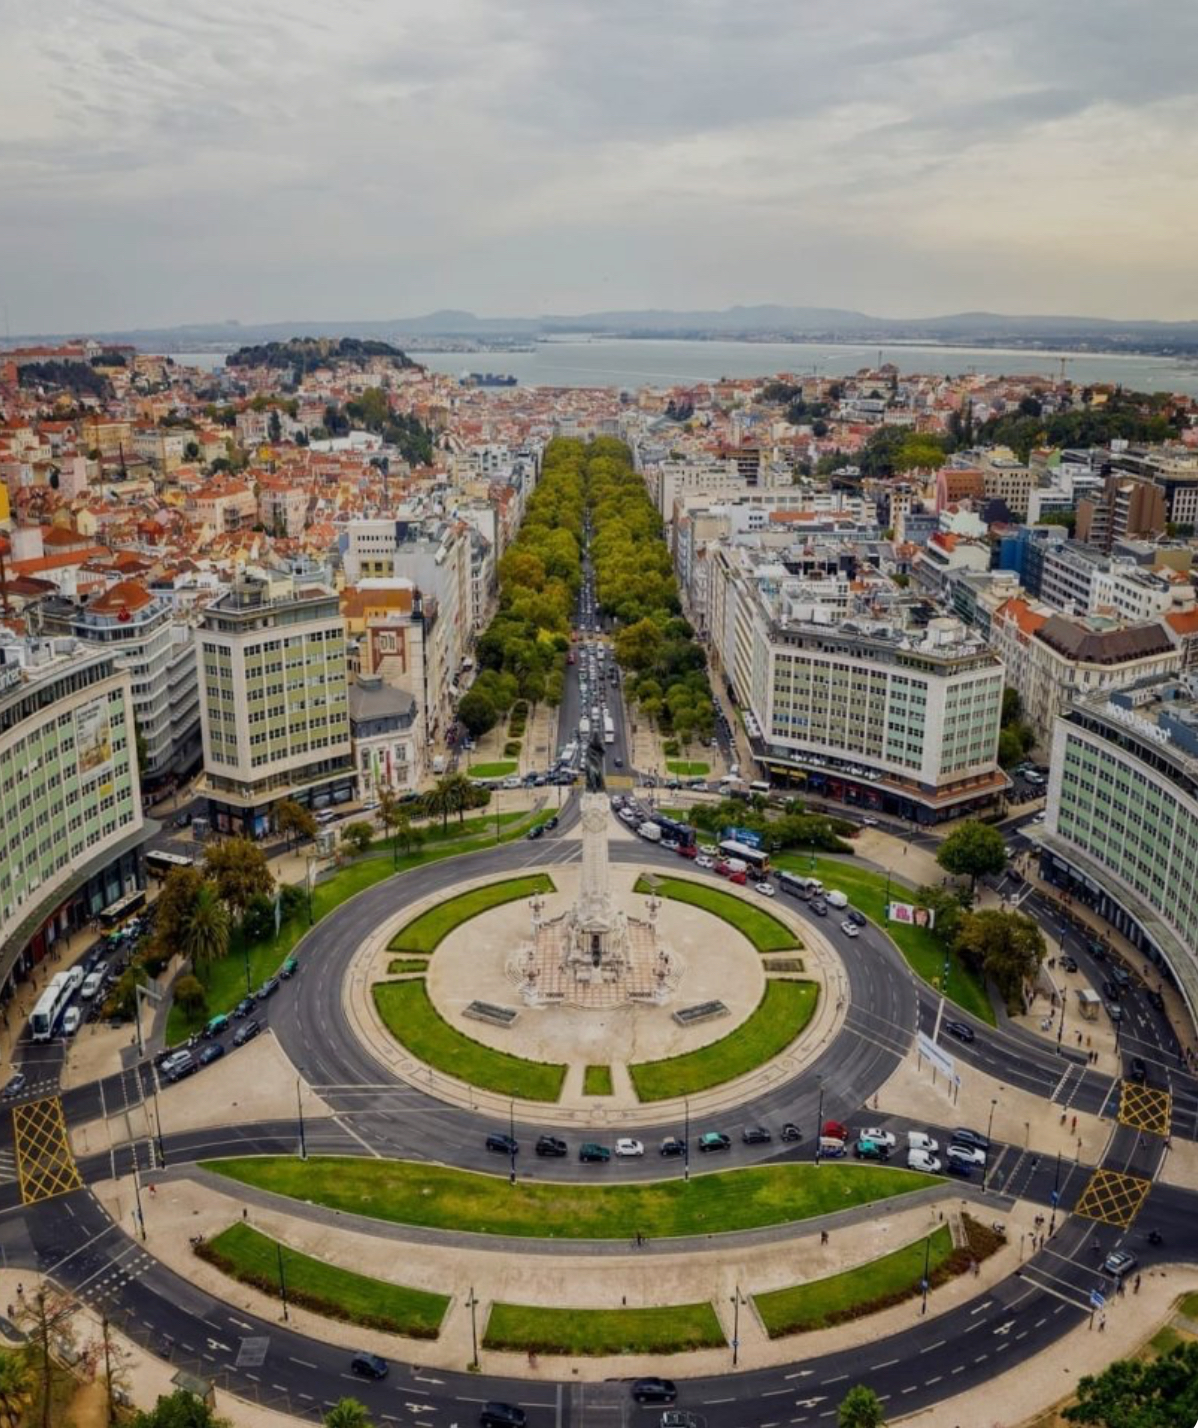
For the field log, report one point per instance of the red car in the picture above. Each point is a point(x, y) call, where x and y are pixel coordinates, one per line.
point(738, 877)
point(835, 1131)
point(722, 868)
point(687, 850)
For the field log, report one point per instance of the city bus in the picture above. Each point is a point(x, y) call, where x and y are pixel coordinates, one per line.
point(799, 886)
point(757, 860)
point(681, 833)
point(50, 1007)
point(162, 863)
point(122, 910)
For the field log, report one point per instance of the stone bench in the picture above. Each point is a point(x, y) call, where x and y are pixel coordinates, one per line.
point(487, 1011)
point(702, 1011)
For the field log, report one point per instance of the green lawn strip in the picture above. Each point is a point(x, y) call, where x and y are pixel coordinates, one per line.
point(670, 1329)
point(499, 769)
point(426, 932)
point(877, 1285)
point(439, 830)
point(253, 1258)
point(1189, 1306)
point(441, 1197)
point(398, 965)
point(416, 1024)
point(225, 981)
point(923, 951)
point(692, 768)
point(766, 933)
point(784, 1010)
point(596, 1081)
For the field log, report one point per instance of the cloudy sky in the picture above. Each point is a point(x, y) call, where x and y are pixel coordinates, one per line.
point(174, 162)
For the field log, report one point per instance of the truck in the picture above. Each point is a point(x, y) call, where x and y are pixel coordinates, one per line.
point(439, 764)
point(650, 832)
point(609, 730)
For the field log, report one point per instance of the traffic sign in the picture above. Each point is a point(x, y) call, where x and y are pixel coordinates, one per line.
point(1097, 1299)
point(1054, 1198)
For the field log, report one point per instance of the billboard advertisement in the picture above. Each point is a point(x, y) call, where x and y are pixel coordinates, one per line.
point(911, 913)
point(745, 836)
point(93, 736)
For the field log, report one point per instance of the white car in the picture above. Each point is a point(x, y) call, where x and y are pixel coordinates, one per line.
point(630, 815)
point(71, 1020)
point(850, 929)
point(917, 1140)
point(765, 889)
point(880, 1137)
point(869, 823)
point(708, 849)
point(922, 1160)
point(625, 1146)
point(1039, 818)
point(703, 861)
point(966, 1155)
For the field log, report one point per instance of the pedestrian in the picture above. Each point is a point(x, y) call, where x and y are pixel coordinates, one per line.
point(153, 1192)
point(1101, 1323)
point(1073, 1127)
point(1088, 1041)
point(1135, 1289)
point(823, 1237)
point(20, 1291)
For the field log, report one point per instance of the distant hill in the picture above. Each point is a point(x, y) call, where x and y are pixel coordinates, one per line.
point(764, 322)
point(304, 352)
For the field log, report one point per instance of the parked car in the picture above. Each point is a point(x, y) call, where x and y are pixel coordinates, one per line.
point(964, 1136)
point(713, 1140)
point(1069, 964)
point(756, 1135)
point(920, 1140)
point(1115, 1012)
point(965, 1155)
point(502, 1144)
point(923, 1160)
point(883, 1137)
point(243, 1008)
point(628, 1147)
point(673, 1146)
point(289, 968)
point(247, 1031)
point(835, 1130)
point(267, 989)
point(215, 1027)
point(212, 1052)
point(866, 1149)
point(367, 1365)
point(172, 1061)
point(183, 1068)
point(593, 1153)
point(961, 1030)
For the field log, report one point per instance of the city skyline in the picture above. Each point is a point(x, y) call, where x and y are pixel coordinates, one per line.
point(220, 163)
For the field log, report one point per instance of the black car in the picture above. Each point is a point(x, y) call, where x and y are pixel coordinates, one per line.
point(960, 1030)
point(182, 1069)
point(672, 1146)
point(1110, 991)
point(1137, 1069)
point(247, 1031)
point(502, 1415)
point(211, 1053)
point(550, 823)
point(535, 832)
point(756, 1135)
point(858, 919)
point(267, 989)
point(243, 1008)
point(593, 1153)
point(503, 1144)
point(552, 1145)
point(1121, 977)
point(958, 1167)
point(975, 1140)
point(15, 1084)
point(1157, 1001)
point(713, 1140)
point(654, 1390)
point(367, 1365)
point(1069, 964)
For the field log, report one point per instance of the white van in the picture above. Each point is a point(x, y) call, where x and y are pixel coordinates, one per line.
point(836, 899)
point(92, 983)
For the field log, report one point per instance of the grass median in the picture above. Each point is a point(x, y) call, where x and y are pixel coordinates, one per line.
point(499, 768)
point(688, 768)
point(764, 931)
point(438, 1196)
point(426, 932)
point(417, 1025)
point(253, 1258)
point(784, 1010)
point(923, 951)
point(596, 1081)
point(670, 1329)
point(874, 1286)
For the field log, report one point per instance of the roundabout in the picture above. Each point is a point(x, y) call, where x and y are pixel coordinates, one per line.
point(392, 1108)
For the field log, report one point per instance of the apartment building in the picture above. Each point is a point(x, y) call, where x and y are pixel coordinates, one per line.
point(1005, 478)
point(71, 822)
point(1172, 469)
point(1121, 826)
point(274, 702)
point(140, 631)
point(1069, 575)
point(385, 728)
point(1128, 506)
point(860, 711)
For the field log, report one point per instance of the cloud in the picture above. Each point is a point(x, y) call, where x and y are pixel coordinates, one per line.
point(162, 163)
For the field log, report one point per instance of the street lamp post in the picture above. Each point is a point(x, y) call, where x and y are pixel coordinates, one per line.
point(473, 1303)
point(1061, 1027)
point(819, 1119)
point(989, 1128)
point(158, 1126)
point(927, 1256)
point(736, 1303)
point(1056, 1196)
point(686, 1139)
point(282, 1281)
point(511, 1120)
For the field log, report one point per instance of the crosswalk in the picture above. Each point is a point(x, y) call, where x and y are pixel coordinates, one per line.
point(8, 1166)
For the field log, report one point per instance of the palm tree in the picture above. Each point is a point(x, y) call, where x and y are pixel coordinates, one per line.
point(348, 1413)
point(459, 789)
point(204, 936)
point(389, 815)
point(15, 1384)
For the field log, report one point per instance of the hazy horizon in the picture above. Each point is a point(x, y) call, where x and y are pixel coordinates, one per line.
point(164, 167)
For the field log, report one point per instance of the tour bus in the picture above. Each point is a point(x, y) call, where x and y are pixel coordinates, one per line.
point(609, 730)
point(759, 785)
point(754, 858)
point(799, 886)
point(122, 910)
point(50, 1007)
point(162, 864)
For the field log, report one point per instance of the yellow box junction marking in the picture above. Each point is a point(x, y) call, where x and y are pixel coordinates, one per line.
point(1145, 1108)
point(1113, 1198)
point(45, 1165)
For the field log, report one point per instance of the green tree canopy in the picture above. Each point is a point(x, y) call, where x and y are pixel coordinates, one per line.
point(973, 850)
point(240, 872)
point(1007, 946)
point(181, 1410)
point(348, 1413)
point(205, 935)
point(860, 1408)
point(1138, 1393)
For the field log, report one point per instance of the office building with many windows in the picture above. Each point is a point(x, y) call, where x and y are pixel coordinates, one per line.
point(274, 702)
point(1121, 831)
point(71, 822)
